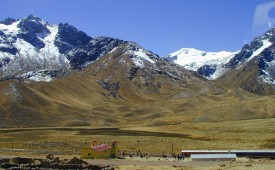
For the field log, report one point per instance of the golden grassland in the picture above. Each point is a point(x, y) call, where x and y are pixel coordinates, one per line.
point(240, 164)
point(81, 101)
point(68, 141)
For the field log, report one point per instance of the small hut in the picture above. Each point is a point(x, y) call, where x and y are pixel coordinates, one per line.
point(100, 151)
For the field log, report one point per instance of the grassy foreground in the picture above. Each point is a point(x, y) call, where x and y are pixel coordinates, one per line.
point(68, 141)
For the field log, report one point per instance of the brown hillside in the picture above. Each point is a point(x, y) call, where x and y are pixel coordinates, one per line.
point(247, 78)
point(114, 92)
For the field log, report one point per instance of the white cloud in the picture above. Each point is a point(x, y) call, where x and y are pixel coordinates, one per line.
point(261, 16)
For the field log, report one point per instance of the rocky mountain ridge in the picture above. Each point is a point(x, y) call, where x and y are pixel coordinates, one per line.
point(251, 68)
point(56, 75)
point(32, 45)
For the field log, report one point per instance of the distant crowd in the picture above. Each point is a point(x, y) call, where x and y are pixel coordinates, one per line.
point(147, 155)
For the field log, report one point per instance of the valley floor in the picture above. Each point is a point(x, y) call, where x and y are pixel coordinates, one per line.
point(155, 164)
point(158, 163)
point(69, 141)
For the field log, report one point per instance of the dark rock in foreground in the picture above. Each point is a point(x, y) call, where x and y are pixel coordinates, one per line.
point(54, 163)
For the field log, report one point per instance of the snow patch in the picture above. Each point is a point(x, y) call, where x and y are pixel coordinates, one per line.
point(4, 55)
point(88, 63)
point(41, 78)
point(25, 49)
point(113, 50)
point(50, 51)
point(37, 76)
point(267, 78)
point(4, 45)
point(269, 73)
point(10, 30)
point(139, 57)
point(193, 59)
point(49, 54)
point(266, 44)
point(138, 62)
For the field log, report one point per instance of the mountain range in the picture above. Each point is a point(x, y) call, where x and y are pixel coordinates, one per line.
point(54, 75)
point(251, 68)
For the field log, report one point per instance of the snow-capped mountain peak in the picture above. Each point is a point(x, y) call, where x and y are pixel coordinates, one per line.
point(32, 44)
point(35, 19)
point(209, 64)
point(253, 68)
point(213, 65)
point(193, 59)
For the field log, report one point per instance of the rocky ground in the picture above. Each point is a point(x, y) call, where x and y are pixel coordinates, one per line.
point(50, 162)
point(131, 163)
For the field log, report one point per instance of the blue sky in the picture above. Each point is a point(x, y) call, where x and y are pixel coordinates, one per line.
point(162, 26)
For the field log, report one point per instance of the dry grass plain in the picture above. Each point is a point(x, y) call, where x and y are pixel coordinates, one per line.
point(155, 164)
point(240, 164)
point(68, 141)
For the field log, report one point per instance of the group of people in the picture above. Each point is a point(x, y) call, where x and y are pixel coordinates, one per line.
point(146, 155)
point(176, 156)
point(138, 153)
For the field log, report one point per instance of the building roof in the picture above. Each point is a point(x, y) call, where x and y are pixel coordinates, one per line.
point(252, 151)
point(101, 147)
point(205, 151)
point(213, 156)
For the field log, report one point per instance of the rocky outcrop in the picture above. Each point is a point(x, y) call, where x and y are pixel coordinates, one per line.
point(68, 37)
point(53, 163)
point(96, 48)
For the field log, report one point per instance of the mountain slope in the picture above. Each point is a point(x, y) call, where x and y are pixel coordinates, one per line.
point(253, 68)
point(126, 85)
point(84, 55)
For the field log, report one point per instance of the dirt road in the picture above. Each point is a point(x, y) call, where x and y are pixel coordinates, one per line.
point(147, 162)
point(163, 164)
